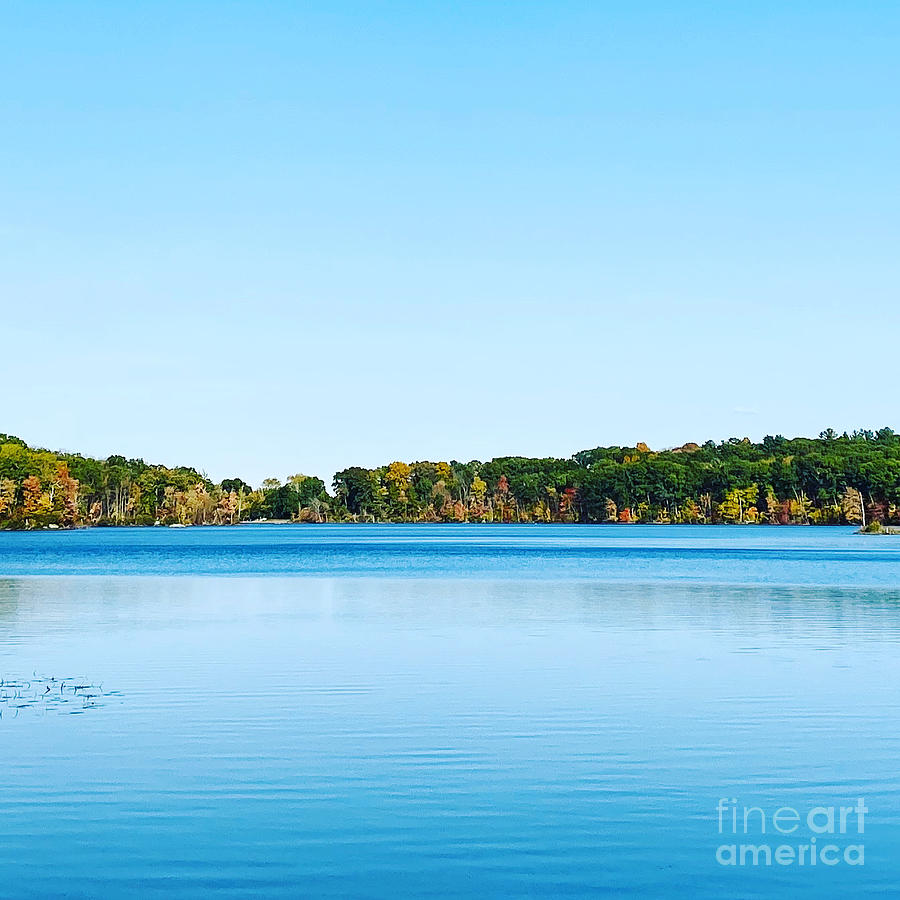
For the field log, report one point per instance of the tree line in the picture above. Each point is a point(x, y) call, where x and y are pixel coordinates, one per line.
point(833, 479)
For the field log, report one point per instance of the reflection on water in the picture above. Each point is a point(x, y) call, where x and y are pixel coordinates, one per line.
point(461, 737)
point(627, 554)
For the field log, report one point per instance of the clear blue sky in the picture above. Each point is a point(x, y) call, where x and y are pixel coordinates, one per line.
point(271, 237)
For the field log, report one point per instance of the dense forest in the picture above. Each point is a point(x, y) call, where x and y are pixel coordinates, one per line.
point(832, 479)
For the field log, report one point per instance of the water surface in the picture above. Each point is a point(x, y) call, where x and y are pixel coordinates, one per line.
point(450, 711)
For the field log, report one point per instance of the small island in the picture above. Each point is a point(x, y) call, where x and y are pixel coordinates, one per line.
point(877, 527)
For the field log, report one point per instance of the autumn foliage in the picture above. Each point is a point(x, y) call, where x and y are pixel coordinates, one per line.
point(832, 479)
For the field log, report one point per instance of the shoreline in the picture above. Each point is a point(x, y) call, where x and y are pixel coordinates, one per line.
point(892, 530)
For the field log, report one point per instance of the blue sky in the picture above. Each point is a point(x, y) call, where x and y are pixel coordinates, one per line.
point(272, 237)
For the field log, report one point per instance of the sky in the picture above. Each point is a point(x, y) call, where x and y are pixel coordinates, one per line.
point(263, 238)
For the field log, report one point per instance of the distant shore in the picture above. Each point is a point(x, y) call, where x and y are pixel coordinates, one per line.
point(835, 479)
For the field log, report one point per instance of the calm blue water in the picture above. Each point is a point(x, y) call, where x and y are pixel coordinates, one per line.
point(447, 711)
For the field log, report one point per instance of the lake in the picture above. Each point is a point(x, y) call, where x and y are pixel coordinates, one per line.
point(461, 711)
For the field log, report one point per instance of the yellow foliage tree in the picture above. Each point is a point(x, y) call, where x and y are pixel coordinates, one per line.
point(734, 508)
